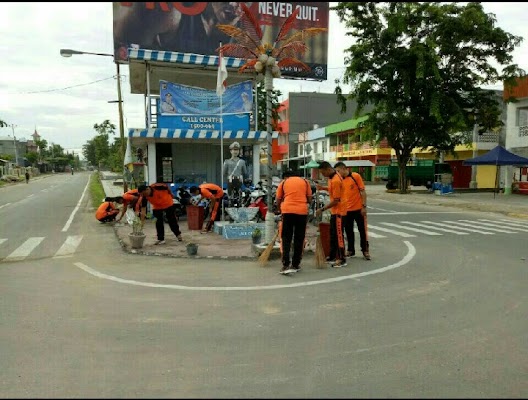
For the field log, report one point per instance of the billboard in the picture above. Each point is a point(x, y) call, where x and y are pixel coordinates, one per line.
point(188, 107)
point(190, 27)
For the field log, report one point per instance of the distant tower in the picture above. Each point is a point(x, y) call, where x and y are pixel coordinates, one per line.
point(35, 135)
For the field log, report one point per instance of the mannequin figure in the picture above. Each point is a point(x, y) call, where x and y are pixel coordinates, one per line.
point(235, 169)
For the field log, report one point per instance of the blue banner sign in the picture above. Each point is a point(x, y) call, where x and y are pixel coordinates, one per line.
point(177, 99)
point(232, 122)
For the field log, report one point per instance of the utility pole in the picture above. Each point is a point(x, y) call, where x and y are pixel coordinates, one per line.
point(473, 183)
point(15, 144)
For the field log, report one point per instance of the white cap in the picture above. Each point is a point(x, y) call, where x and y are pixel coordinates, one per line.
point(234, 145)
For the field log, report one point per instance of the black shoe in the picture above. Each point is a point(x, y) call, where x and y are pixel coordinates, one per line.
point(366, 255)
point(284, 269)
point(297, 268)
point(330, 260)
point(350, 254)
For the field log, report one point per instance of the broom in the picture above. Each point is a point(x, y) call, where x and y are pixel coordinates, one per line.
point(264, 257)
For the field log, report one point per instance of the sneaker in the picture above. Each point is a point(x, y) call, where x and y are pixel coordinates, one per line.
point(366, 255)
point(179, 237)
point(339, 264)
point(297, 269)
point(350, 254)
point(330, 260)
point(290, 270)
point(284, 269)
point(159, 242)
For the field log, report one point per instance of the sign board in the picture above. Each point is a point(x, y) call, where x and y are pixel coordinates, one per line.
point(240, 231)
point(190, 27)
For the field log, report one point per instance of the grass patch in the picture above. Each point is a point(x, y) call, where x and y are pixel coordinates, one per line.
point(96, 190)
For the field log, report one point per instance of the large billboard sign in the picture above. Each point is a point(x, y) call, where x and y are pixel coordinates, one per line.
point(190, 27)
point(188, 107)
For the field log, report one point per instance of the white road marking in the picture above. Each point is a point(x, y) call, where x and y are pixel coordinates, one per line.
point(4, 205)
point(482, 225)
point(411, 252)
point(397, 233)
point(501, 225)
point(428, 224)
point(69, 246)
point(23, 250)
point(68, 223)
point(374, 235)
point(415, 212)
point(32, 194)
point(412, 229)
point(3, 240)
point(465, 228)
point(518, 223)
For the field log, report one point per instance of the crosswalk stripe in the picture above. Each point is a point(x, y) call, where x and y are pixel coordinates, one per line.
point(375, 235)
point(69, 246)
point(23, 250)
point(510, 222)
point(464, 227)
point(397, 233)
point(412, 229)
point(428, 224)
point(3, 240)
point(482, 225)
point(496, 224)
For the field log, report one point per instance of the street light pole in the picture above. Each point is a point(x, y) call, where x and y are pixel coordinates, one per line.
point(473, 183)
point(69, 53)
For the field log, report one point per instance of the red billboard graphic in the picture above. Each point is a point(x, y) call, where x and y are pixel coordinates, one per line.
point(190, 27)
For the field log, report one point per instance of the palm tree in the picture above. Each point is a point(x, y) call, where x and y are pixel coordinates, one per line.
point(267, 58)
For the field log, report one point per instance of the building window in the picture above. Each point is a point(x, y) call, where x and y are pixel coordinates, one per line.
point(522, 116)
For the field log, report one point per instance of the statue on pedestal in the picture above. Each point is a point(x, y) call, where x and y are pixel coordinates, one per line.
point(235, 171)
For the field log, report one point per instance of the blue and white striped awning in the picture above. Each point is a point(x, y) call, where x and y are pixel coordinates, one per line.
point(167, 133)
point(182, 58)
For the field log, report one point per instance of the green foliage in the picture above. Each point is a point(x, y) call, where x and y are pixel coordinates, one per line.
point(96, 189)
point(421, 66)
point(260, 94)
point(99, 152)
point(3, 124)
point(8, 157)
point(32, 157)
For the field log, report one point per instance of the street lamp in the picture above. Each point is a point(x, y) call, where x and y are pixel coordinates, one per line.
point(14, 142)
point(69, 53)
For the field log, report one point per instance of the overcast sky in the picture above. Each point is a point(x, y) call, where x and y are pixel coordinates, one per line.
point(64, 97)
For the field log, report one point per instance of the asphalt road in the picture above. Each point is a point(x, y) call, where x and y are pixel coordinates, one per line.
point(432, 315)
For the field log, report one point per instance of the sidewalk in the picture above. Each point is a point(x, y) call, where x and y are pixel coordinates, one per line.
point(214, 246)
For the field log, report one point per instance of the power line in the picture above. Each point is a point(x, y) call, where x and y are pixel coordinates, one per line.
point(70, 87)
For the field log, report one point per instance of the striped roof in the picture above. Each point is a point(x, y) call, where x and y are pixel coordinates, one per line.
point(182, 58)
point(168, 133)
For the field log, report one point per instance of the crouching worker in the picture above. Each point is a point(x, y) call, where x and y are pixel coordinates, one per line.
point(107, 211)
point(215, 194)
point(160, 197)
point(132, 201)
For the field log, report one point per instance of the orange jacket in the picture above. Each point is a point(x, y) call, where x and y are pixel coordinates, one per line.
point(106, 208)
point(161, 197)
point(294, 194)
point(210, 190)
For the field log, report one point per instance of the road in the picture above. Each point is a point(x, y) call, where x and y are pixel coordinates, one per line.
point(440, 311)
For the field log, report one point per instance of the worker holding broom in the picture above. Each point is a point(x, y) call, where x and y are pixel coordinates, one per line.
point(293, 197)
point(337, 209)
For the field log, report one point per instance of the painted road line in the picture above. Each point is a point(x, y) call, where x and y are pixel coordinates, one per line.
point(429, 225)
point(68, 223)
point(482, 225)
point(464, 227)
point(411, 252)
point(23, 251)
point(69, 246)
point(3, 240)
point(397, 233)
point(502, 225)
point(412, 229)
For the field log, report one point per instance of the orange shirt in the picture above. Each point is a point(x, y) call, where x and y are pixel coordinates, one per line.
point(351, 191)
point(209, 190)
point(161, 197)
point(131, 196)
point(295, 193)
point(335, 190)
point(104, 209)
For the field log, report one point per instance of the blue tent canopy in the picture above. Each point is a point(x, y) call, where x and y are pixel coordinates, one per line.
point(498, 156)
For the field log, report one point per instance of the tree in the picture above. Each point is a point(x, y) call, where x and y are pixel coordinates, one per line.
point(32, 157)
point(3, 124)
point(421, 66)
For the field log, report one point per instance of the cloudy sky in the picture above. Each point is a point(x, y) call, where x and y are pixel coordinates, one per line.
point(64, 97)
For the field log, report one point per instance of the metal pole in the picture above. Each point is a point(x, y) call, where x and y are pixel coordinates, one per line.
point(473, 183)
point(269, 220)
point(121, 125)
point(14, 143)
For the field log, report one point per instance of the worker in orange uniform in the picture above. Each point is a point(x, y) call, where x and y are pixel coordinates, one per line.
point(337, 208)
point(161, 199)
point(293, 196)
point(215, 194)
point(107, 211)
point(131, 199)
point(356, 200)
